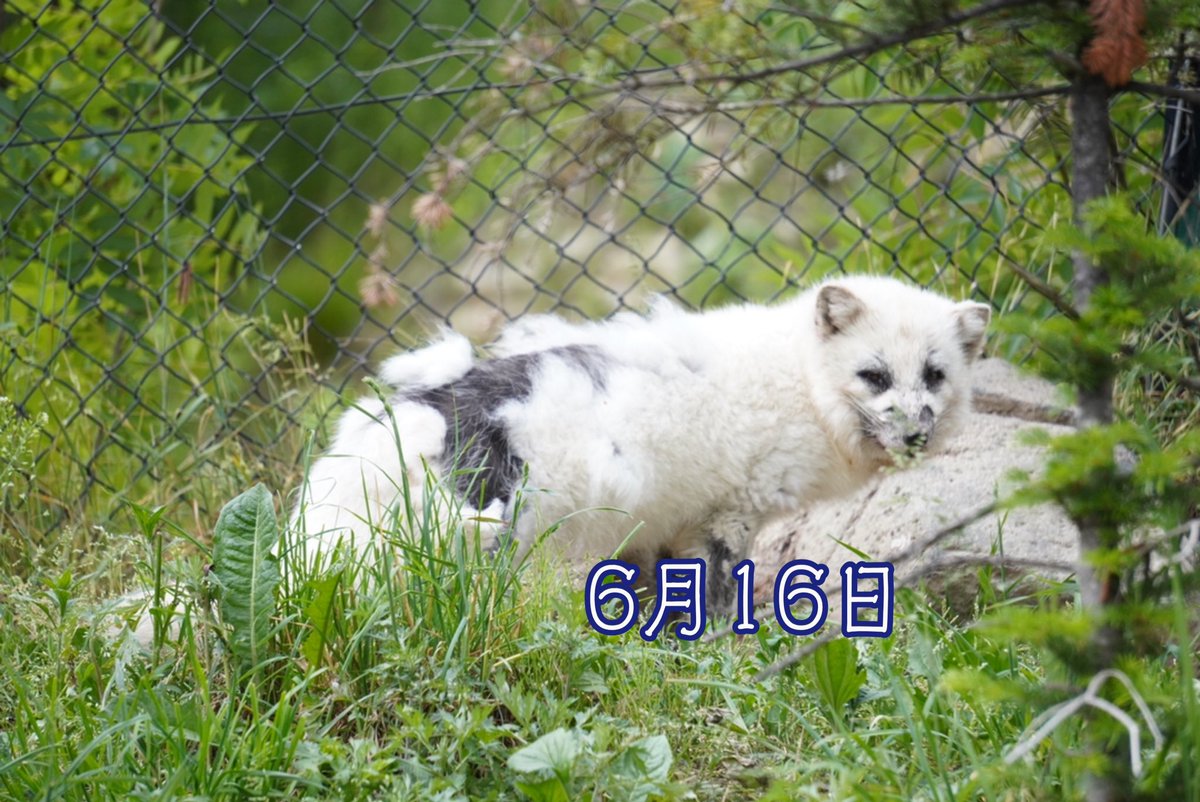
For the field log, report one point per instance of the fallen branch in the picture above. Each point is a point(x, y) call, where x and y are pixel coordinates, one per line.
point(1055, 716)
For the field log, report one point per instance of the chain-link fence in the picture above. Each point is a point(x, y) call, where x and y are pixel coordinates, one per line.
point(217, 215)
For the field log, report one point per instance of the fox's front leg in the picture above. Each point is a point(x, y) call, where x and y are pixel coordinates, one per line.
point(725, 543)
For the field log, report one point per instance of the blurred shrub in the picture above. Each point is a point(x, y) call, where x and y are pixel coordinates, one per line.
point(125, 240)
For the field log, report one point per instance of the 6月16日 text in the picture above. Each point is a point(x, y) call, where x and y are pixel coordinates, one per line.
point(867, 598)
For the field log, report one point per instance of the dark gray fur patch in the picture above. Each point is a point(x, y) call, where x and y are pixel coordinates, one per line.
point(722, 549)
point(720, 553)
point(587, 358)
point(477, 448)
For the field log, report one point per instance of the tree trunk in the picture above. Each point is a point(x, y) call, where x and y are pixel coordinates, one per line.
point(1092, 175)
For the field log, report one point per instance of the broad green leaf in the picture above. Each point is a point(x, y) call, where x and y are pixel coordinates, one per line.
point(548, 790)
point(649, 758)
point(923, 658)
point(247, 572)
point(835, 671)
point(555, 751)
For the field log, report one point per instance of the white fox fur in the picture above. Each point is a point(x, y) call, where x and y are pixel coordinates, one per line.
point(698, 426)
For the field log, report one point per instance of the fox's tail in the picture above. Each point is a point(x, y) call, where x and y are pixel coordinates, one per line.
point(360, 477)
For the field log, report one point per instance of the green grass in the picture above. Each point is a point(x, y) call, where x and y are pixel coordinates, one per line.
point(434, 671)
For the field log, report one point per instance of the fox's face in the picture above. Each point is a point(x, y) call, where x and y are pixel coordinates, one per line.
point(897, 362)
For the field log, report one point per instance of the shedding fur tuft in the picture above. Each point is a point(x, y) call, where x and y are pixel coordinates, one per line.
point(441, 362)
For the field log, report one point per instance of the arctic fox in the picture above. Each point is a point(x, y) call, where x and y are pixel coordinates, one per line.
point(697, 427)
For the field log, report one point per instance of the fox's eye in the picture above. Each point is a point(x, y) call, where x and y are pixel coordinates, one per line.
point(933, 377)
point(877, 380)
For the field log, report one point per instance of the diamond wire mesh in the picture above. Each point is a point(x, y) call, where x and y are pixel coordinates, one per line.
point(217, 215)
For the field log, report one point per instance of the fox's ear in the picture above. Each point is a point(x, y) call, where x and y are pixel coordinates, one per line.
point(971, 321)
point(837, 309)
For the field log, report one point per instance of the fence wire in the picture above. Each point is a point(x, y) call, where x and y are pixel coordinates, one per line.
point(218, 215)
